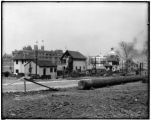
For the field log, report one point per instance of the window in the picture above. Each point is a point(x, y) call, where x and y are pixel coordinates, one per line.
point(64, 68)
point(51, 69)
point(16, 61)
point(55, 69)
point(22, 61)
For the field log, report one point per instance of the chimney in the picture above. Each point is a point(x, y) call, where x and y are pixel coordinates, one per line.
point(35, 47)
point(42, 47)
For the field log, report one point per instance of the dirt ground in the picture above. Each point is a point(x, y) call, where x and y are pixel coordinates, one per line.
point(121, 101)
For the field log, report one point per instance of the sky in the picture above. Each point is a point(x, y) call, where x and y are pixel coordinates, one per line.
point(88, 27)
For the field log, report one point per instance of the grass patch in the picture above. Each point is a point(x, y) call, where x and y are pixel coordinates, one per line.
point(121, 101)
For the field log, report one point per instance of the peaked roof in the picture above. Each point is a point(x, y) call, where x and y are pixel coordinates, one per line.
point(43, 63)
point(74, 55)
point(21, 57)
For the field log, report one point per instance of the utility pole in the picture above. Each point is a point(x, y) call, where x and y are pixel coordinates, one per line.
point(140, 68)
point(122, 66)
point(36, 52)
point(95, 64)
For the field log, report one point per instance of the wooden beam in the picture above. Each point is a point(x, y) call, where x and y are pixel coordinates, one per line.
point(31, 80)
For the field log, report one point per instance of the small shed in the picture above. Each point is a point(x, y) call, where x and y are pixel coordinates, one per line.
point(44, 67)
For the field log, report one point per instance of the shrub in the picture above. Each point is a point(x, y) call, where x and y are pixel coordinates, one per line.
point(88, 72)
point(13, 75)
point(34, 76)
point(59, 73)
point(21, 74)
point(137, 72)
point(45, 77)
point(75, 74)
point(6, 74)
point(145, 80)
point(82, 74)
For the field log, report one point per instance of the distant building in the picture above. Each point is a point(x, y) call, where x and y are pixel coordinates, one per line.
point(112, 61)
point(96, 62)
point(89, 66)
point(106, 62)
point(7, 63)
point(73, 60)
point(21, 57)
point(144, 61)
point(132, 66)
point(44, 67)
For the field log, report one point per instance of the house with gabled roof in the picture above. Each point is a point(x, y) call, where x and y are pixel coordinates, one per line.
point(44, 67)
point(73, 61)
point(23, 56)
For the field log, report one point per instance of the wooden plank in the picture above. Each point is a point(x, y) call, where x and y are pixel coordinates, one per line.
point(31, 80)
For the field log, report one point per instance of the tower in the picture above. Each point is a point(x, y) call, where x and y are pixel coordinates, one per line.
point(42, 46)
point(35, 47)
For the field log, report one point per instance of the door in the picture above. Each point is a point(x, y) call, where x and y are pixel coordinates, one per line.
point(44, 71)
point(17, 71)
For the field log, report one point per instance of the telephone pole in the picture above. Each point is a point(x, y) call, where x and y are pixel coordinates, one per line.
point(95, 64)
point(36, 54)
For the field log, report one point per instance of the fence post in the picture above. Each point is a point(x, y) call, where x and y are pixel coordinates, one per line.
point(140, 68)
point(95, 64)
point(122, 66)
point(25, 86)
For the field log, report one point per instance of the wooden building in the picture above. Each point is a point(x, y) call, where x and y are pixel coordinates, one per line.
point(21, 57)
point(73, 61)
point(44, 67)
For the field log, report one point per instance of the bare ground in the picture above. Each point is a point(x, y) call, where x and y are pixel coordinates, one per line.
point(121, 101)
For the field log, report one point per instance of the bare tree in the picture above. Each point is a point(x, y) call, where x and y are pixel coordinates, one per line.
point(127, 52)
point(30, 69)
point(145, 49)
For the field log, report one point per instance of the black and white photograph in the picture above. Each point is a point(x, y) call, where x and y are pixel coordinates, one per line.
point(75, 60)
